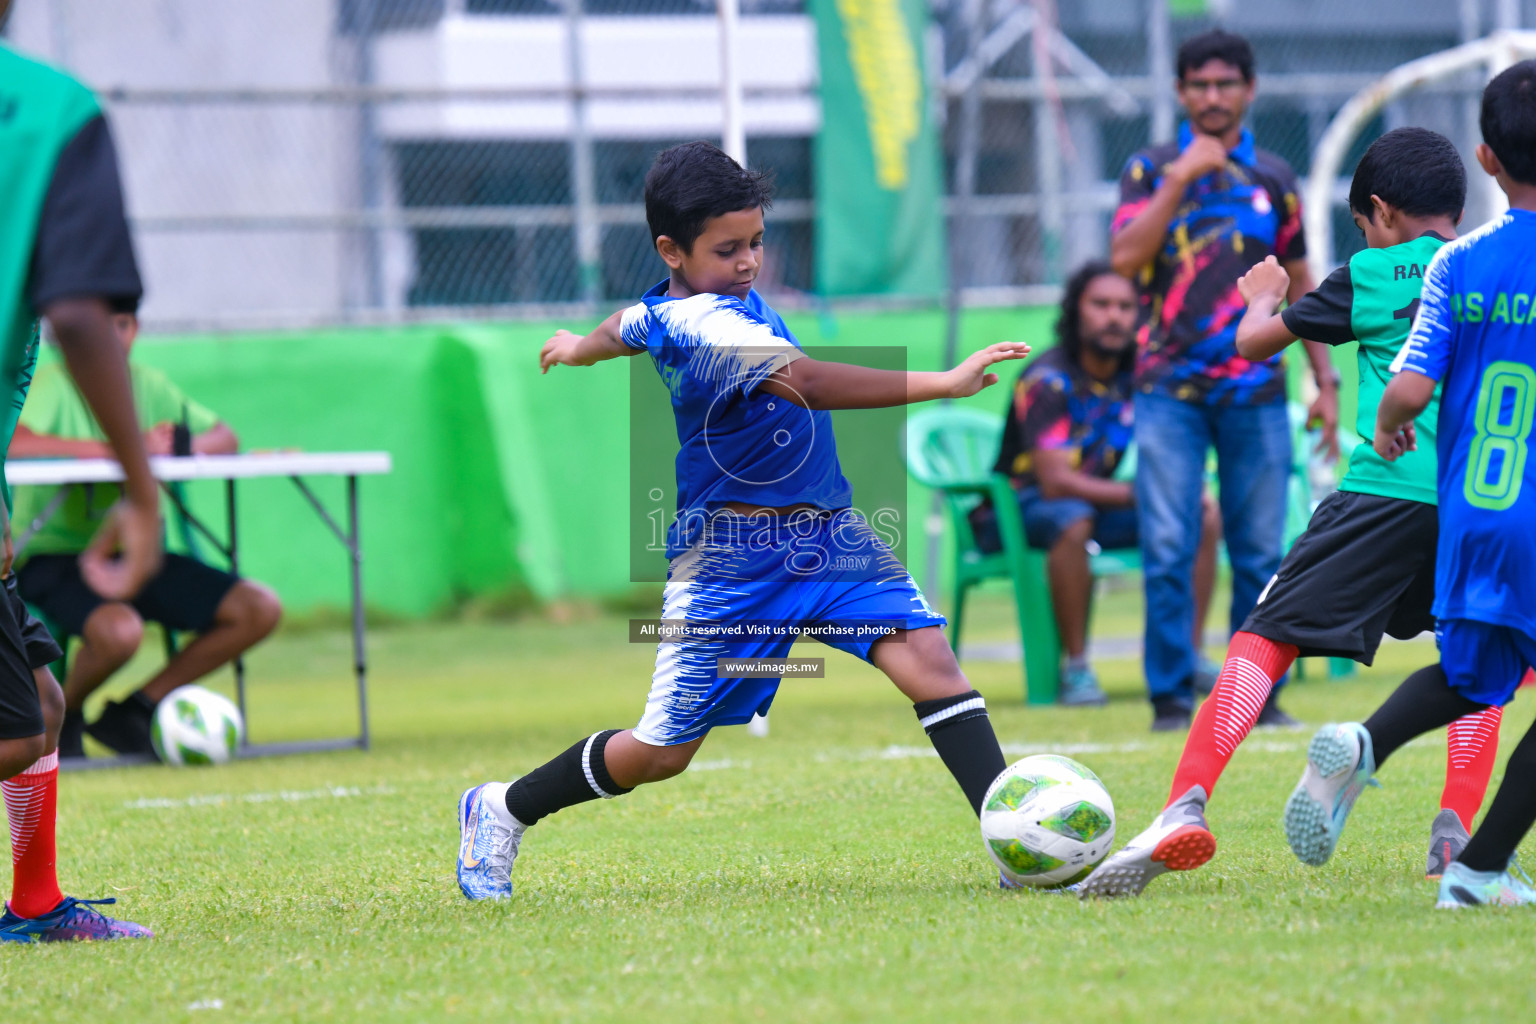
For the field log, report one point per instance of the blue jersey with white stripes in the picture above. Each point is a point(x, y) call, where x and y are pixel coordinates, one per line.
point(738, 443)
point(1476, 333)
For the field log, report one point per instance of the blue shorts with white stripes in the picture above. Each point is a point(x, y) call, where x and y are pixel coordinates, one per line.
point(746, 590)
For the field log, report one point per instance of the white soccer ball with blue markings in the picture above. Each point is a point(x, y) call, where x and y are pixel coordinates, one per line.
point(194, 725)
point(1047, 821)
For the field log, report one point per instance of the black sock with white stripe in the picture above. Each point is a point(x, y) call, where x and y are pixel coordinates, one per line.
point(962, 733)
point(576, 776)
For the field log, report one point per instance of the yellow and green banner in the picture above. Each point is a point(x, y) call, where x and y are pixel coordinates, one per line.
point(879, 185)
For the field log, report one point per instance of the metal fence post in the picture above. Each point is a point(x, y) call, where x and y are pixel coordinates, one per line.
point(583, 185)
point(1160, 69)
point(960, 262)
point(370, 160)
point(733, 132)
point(1048, 142)
point(1480, 198)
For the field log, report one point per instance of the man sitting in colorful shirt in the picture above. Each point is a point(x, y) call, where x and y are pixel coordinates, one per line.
point(228, 613)
point(1068, 427)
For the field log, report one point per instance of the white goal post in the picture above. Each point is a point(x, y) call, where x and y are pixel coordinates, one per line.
point(1494, 53)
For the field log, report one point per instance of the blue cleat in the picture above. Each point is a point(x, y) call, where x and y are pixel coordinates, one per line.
point(487, 849)
point(1460, 886)
point(72, 920)
point(1340, 765)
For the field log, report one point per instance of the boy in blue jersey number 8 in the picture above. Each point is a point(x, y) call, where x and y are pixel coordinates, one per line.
point(764, 534)
point(1475, 336)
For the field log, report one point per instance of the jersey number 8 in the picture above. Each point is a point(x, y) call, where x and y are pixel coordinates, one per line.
point(1506, 441)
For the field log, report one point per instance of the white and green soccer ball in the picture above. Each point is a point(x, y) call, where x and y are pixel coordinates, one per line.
point(194, 725)
point(1047, 821)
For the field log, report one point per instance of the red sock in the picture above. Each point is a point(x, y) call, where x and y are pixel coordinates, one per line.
point(1252, 668)
point(31, 801)
point(1471, 744)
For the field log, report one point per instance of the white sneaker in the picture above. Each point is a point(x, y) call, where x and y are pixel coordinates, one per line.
point(1340, 765)
point(1178, 840)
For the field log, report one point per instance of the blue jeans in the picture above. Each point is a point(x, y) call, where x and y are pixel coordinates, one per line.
point(1046, 519)
point(1253, 458)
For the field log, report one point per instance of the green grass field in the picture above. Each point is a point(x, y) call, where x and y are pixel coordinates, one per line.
point(829, 873)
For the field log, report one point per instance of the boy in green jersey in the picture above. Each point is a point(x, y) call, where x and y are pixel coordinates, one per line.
point(65, 254)
point(1366, 564)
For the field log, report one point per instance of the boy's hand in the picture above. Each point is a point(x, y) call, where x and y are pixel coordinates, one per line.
point(1265, 281)
point(971, 376)
point(1323, 414)
point(559, 350)
point(159, 439)
point(125, 553)
point(1393, 446)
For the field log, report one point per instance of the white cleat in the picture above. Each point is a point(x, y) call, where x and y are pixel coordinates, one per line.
point(1178, 840)
point(1340, 764)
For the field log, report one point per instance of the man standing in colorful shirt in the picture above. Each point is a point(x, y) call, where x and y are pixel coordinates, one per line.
point(1194, 216)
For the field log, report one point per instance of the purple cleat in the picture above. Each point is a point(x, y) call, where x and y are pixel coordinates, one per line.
point(72, 920)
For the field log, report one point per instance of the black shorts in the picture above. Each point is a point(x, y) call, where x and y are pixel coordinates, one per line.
point(24, 645)
point(183, 595)
point(1365, 566)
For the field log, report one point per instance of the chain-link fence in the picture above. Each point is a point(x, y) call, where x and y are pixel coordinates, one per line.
point(354, 205)
point(386, 201)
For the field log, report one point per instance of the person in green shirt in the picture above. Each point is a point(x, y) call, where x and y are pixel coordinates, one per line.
point(228, 613)
point(1366, 564)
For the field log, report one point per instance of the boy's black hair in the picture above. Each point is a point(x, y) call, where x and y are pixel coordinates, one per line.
point(1069, 324)
point(1216, 45)
point(691, 183)
point(1509, 120)
point(1414, 169)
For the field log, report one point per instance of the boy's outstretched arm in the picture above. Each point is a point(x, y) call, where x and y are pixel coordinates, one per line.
point(1407, 396)
point(570, 349)
point(814, 384)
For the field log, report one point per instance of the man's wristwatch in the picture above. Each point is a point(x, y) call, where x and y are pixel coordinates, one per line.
point(1333, 378)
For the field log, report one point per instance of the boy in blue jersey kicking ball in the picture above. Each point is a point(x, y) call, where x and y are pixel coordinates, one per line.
point(1475, 336)
point(764, 536)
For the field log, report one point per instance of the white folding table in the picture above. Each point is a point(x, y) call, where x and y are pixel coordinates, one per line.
point(67, 474)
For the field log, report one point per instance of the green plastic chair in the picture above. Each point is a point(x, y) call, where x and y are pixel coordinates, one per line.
point(952, 451)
